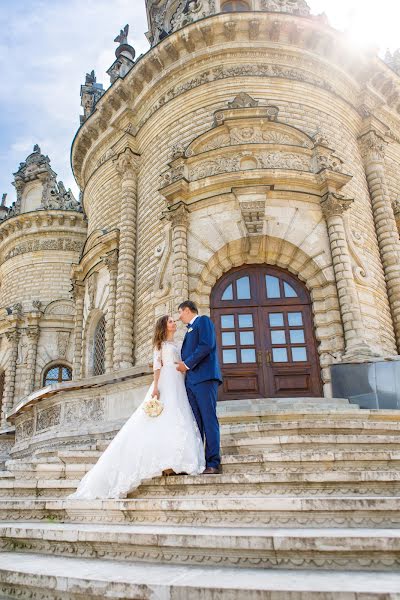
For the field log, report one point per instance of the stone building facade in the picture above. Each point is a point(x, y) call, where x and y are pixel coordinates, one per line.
point(249, 160)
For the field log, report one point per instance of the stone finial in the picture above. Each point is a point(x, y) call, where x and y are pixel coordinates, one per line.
point(125, 54)
point(393, 60)
point(294, 7)
point(3, 207)
point(91, 92)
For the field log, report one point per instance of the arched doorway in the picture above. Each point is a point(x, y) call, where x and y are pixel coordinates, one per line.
point(265, 333)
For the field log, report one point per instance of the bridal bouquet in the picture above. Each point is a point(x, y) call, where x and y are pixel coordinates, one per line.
point(153, 407)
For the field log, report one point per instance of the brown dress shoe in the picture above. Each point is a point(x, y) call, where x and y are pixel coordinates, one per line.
point(211, 471)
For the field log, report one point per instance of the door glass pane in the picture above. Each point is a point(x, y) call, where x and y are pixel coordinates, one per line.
point(295, 319)
point(278, 337)
point(228, 338)
point(228, 293)
point(229, 356)
point(245, 320)
point(289, 291)
point(297, 336)
point(273, 290)
point(247, 338)
point(243, 288)
point(299, 354)
point(248, 355)
point(279, 355)
point(276, 319)
point(227, 322)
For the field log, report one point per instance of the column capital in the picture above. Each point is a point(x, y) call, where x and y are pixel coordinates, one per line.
point(13, 335)
point(111, 260)
point(78, 289)
point(179, 216)
point(373, 146)
point(126, 163)
point(334, 204)
point(33, 333)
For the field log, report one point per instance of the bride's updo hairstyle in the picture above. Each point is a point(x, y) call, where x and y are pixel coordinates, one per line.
point(160, 331)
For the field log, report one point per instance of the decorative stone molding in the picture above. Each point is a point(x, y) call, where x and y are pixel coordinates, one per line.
point(33, 334)
point(46, 244)
point(63, 338)
point(334, 205)
point(78, 290)
point(92, 289)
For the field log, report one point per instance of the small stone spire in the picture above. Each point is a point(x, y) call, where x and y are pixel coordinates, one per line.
point(125, 54)
point(91, 92)
point(3, 208)
point(393, 60)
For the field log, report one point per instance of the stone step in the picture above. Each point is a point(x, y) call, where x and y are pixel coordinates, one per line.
point(63, 578)
point(332, 483)
point(287, 511)
point(272, 461)
point(350, 549)
point(235, 444)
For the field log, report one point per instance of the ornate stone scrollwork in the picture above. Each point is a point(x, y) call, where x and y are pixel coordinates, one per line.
point(163, 253)
point(294, 7)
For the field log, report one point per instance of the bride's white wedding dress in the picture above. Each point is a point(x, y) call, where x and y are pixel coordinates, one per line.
point(146, 446)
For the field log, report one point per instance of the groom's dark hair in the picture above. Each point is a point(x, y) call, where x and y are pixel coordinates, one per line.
point(190, 305)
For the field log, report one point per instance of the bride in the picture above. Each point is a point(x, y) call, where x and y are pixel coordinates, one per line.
point(146, 446)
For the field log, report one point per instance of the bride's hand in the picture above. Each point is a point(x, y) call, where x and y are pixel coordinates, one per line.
point(156, 393)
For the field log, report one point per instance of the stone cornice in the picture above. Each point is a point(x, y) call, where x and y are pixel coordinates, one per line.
point(51, 221)
point(276, 30)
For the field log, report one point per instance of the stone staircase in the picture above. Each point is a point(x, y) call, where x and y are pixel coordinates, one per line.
point(307, 506)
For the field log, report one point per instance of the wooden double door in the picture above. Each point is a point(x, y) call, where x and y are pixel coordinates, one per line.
point(266, 341)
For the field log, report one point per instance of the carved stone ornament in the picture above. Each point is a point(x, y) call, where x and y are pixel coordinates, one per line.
point(92, 288)
point(37, 305)
point(253, 213)
point(54, 194)
point(111, 260)
point(35, 245)
point(243, 100)
point(179, 216)
point(17, 309)
point(163, 22)
point(335, 204)
point(13, 336)
point(126, 163)
point(163, 253)
point(62, 343)
point(373, 146)
point(294, 7)
point(33, 333)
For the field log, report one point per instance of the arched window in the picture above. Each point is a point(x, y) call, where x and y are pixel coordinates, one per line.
point(99, 346)
point(57, 374)
point(235, 5)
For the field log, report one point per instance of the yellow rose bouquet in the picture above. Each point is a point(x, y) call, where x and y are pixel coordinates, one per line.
point(153, 407)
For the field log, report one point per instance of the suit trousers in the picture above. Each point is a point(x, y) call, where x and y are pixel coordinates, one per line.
point(203, 400)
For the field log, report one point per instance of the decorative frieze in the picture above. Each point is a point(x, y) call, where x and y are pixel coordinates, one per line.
point(45, 244)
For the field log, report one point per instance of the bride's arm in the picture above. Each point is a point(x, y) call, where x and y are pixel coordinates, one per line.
point(157, 364)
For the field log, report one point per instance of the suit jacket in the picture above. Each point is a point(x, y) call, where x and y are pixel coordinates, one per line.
point(199, 352)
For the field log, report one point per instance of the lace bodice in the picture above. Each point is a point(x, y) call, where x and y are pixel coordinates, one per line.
point(167, 356)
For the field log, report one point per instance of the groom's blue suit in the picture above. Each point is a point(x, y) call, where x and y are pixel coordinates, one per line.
point(199, 353)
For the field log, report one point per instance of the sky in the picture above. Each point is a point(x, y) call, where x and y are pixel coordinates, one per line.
point(47, 47)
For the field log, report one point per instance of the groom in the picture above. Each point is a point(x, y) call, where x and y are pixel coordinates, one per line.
point(203, 376)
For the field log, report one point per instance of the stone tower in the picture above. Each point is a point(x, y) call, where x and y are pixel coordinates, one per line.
point(41, 236)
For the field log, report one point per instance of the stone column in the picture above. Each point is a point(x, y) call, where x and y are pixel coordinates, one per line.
point(126, 164)
point(373, 149)
point(13, 336)
point(179, 218)
point(79, 298)
point(111, 261)
point(333, 206)
point(32, 333)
